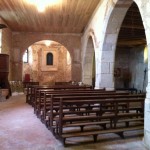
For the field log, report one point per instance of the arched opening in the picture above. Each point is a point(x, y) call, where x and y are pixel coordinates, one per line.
point(49, 59)
point(129, 57)
point(89, 64)
point(113, 24)
point(48, 62)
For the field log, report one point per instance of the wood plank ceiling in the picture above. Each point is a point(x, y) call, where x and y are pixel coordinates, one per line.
point(132, 32)
point(68, 16)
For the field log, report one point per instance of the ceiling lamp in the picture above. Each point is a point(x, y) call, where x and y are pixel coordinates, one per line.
point(48, 43)
point(42, 4)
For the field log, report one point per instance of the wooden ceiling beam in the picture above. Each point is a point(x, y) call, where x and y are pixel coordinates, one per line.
point(132, 26)
point(130, 42)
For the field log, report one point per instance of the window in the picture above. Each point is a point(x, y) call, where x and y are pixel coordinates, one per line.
point(49, 59)
point(26, 56)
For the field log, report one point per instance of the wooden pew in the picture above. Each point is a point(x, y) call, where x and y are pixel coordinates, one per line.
point(28, 88)
point(47, 111)
point(39, 104)
point(110, 111)
point(37, 89)
point(113, 117)
point(31, 90)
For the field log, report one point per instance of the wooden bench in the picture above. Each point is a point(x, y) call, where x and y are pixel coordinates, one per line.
point(39, 93)
point(129, 118)
point(44, 104)
point(55, 106)
point(112, 119)
point(31, 90)
point(28, 90)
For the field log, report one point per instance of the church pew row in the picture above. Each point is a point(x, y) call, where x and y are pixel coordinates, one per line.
point(31, 90)
point(50, 100)
point(40, 94)
point(37, 89)
point(27, 90)
point(54, 98)
point(113, 119)
point(43, 102)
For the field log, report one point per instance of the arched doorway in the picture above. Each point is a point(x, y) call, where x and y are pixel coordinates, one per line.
point(39, 66)
point(89, 64)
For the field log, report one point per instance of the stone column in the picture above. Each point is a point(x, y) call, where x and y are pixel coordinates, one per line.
point(147, 108)
point(76, 65)
point(16, 65)
point(105, 59)
point(88, 65)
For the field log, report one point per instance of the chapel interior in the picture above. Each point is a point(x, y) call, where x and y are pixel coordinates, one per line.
point(74, 49)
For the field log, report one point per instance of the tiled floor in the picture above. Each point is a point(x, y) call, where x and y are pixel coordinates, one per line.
point(20, 129)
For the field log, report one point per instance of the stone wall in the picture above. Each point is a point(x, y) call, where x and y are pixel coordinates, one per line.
point(133, 61)
point(138, 68)
point(61, 73)
point(121, 62)
point(104, 27)
point(21, 41)
point(7, 44)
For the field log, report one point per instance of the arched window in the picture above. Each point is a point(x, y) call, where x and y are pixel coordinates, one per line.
point(49, 59)
point(26, 56)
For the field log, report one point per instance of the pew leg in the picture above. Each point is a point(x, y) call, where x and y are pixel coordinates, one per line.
point(104, 126)
point(95, 137)
point(120, 134)
point(127, 124)
point(81, 128)
point(64, 141)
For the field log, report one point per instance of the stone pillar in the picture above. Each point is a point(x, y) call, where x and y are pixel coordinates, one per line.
point(105, 61)
point(76, 65)
point(105, 69)
point(88, 64)
point(16, 65)
point(147, 108)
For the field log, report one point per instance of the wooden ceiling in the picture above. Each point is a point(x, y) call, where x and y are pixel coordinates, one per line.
point(132, 32)
point(68, 16)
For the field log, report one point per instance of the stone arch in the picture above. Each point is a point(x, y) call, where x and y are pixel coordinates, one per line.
point(112, 26)
point(29, 43)
point(144, 9)
point(88, 62)
point(109, 45)
point(72, 42)
point(43, 70)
